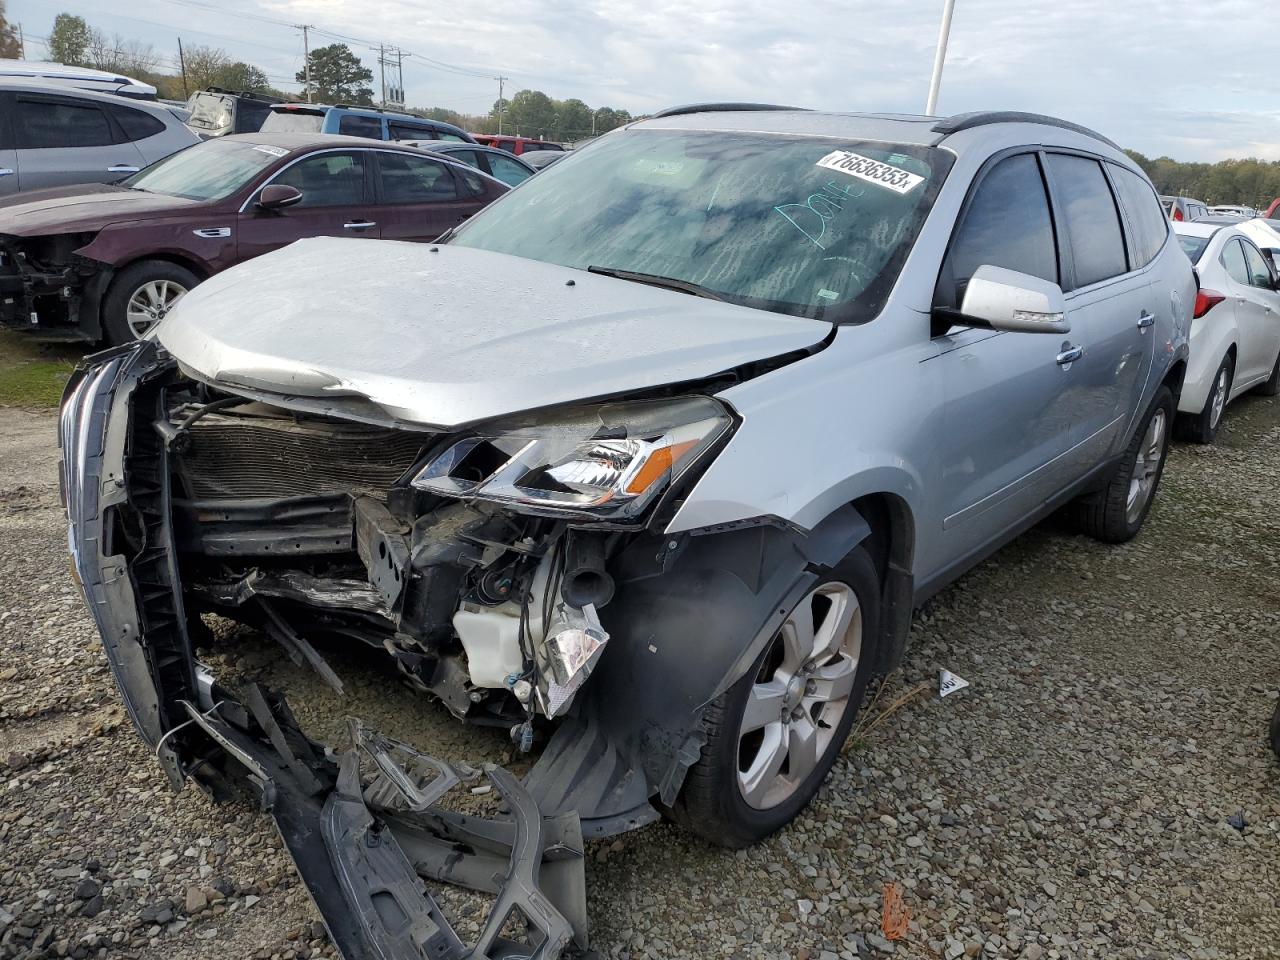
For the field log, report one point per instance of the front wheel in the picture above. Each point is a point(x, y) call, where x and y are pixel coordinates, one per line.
point(141, 296)
point(775, 734)
point(1115, 513)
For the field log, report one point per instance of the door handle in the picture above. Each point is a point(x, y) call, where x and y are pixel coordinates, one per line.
point(122, 168)
point(1145, 321)
point(6, 172)
point(1070, 355)
point(359, 225)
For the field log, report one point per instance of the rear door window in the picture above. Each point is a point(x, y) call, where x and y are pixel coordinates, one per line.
point(1092, 222)
point(506, 169)
point(43, 123)
point(1147, 221)
point(410, 179)
point(1235, 263)
point(1007, 224)
point(410, 131)
point(353, 125)
point(1259, 272)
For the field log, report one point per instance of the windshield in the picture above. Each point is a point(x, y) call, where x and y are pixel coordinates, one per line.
point(293, 121)
point(808, 226)
point(1193, 247)
point(208, 171)
point(210, 111)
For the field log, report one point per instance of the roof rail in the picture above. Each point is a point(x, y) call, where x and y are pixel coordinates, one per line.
point(980, 118)
point(718, 108)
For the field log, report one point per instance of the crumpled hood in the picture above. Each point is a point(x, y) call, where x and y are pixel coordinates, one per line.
point(445, 336)
point(83, 208)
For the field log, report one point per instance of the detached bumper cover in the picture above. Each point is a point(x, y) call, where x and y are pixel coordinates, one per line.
point(363, 851)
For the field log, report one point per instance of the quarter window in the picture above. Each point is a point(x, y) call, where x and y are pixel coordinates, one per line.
point(1092, 221)
point(136, 124)
point(409, 179)
point(44, 124)
point(1147, 221)
point(327, 179)
point(1006, 225)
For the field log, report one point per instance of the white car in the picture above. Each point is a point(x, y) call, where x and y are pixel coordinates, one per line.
point(1235, 327)
point(1232, 210)
point(1266, 234)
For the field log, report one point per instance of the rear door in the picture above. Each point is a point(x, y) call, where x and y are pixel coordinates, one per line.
point(337, 201)
point(63, 139)
point(1256, 304)
point(1110, 306)
point(8, 155)
point(420, 198)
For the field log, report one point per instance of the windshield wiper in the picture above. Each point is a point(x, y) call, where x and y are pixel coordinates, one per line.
point(653, 280)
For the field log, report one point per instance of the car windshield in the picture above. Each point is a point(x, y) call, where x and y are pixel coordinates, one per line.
point(210, 111)
point(809, 226)
point(294, 121)
point(208, 171)
point(1193, 247)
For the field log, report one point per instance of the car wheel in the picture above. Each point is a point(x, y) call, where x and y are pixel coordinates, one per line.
point(141, 296)
point(775, 734)
point(1271, 386)
point(1115, 513)
point(1202, 427)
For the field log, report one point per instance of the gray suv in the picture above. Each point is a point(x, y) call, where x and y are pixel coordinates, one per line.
point(749, 384)
point(54, 135)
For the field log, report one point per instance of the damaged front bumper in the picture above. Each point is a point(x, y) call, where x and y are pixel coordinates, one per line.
point(363, 848)
point(48, 289)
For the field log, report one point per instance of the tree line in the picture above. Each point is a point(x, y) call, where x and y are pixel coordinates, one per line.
point(1250, 182)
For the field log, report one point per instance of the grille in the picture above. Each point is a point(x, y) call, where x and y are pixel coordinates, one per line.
point(262, 456)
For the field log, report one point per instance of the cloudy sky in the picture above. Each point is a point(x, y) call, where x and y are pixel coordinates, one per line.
point(1149, 74)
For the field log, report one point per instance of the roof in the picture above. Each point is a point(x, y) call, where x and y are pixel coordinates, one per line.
point(306, 141)
point(452, 146)
point(70, 88)
point(1196, 228)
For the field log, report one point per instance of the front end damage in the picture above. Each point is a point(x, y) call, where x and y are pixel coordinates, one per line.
point(601, 642)
point(49, 288)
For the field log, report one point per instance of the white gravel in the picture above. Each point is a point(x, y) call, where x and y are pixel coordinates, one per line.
point(1073, 802)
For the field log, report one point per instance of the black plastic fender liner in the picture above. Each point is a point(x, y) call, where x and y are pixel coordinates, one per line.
point(690, 615)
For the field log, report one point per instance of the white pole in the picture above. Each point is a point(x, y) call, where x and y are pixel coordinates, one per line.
point(940, 57)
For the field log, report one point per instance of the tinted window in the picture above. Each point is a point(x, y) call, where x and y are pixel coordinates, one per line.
point(53, 123)
point(408, 179)
point(1092, 221)
point(1006, 225)
point(410, 131)
point(807, 226)
point(1233, 260)
point(1147, 221)
point(464, 156)
point(1259, 275)
point(1193, 247)
point(136, 124)
point(445, 135)
point(507, 170)
point(356, 126)
point(327, 179)
point(250, 115)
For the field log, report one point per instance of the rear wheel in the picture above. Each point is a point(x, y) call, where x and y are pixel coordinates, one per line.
point(1115, 513)
point(141, 296)
point(1202, 427)
point(775, 734)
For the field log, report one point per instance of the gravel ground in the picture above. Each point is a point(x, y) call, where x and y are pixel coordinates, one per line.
point(1102, 789)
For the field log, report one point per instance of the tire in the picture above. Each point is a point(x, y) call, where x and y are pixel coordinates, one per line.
point(714, 801)
point(1108, 515)
point(1271, 386)
point(132, 282)
point(1202, 427)
point(1274, 732)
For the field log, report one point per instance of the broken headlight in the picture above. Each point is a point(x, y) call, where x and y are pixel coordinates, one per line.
point(600, 462)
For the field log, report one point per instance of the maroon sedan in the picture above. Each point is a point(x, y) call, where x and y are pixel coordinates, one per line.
point(107, 261)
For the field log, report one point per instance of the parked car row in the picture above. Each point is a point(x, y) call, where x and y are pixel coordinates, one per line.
point(614, 513)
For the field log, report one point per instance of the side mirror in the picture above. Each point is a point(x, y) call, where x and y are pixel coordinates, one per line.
point(277, 196)
point(1008, 300)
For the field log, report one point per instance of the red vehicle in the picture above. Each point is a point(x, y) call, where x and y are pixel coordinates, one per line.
point(1272, 210)
point(515, 145)
point(106, 261)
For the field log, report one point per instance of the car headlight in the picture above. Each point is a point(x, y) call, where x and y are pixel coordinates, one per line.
point(603, 462)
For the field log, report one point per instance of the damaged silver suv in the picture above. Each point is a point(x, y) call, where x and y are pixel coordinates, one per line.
point(754, 382)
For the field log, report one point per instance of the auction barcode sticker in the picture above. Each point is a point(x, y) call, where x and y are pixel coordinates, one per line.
point(873, 171)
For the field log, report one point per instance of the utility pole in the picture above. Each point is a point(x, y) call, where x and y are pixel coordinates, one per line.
point(401, 99)
point(22, 44)
point(501, 103)
point(382, 73)
point(306, 57)
point(940, 57)
point(182, 61)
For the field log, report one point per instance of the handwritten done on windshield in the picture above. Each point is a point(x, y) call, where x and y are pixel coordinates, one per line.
point(812, 216)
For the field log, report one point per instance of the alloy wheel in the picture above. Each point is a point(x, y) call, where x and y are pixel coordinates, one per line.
point(1219, 403)
point(150, 303)
point(799, 696)
point(1146, 467)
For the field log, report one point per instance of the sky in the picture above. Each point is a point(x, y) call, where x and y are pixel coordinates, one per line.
point(1147, 74)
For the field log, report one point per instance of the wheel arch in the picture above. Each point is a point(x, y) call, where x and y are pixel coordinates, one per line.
point(167, 256)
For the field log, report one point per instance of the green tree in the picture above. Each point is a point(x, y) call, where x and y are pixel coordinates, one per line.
point(337, 75)
point(532, 114)
point(574, 120)
point(239, 75)
point(10, 48)
point(69, 40)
